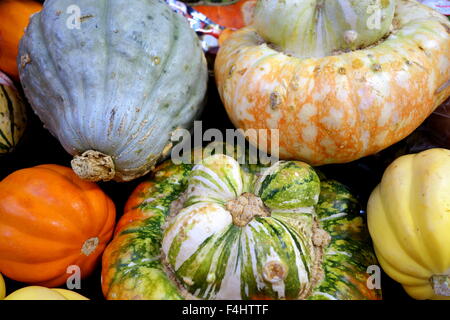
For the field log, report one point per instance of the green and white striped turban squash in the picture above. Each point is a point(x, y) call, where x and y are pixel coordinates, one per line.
point(114, 87)
point(221, 230)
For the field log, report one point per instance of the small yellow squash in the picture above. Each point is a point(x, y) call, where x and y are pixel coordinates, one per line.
point(2, 287)
point(409, 221)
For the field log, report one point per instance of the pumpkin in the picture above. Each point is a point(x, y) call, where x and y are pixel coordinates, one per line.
point(114, 90)
point(409, 221)
point(229, 14)
point(335, 81)
point(42, 293)
point(14, 15)
point(13, 115)
point(49, 220)
point(221, 230)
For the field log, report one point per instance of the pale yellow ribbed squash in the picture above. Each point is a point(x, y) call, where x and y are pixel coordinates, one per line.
point(409, 221)
point(35, 293)
point(70, 295)
point(42, 293)
point(2, 287)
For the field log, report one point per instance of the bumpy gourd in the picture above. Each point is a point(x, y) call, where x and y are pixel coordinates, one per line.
point(114, 84)
point(339, 79)
point(409, 221)
point(220, 230)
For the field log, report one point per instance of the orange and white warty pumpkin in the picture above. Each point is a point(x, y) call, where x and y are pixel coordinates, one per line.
point(340, 79)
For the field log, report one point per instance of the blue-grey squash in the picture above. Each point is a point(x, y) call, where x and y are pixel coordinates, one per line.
point(112, 80)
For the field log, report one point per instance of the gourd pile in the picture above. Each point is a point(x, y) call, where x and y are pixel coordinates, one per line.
point(346, 84)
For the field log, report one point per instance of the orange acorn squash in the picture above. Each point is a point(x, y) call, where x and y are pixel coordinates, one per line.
point(49, 220)
point(14, 15)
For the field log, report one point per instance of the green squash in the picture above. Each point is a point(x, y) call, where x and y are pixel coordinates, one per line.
point(13, 116)
point(220, 230)
point(113, 80)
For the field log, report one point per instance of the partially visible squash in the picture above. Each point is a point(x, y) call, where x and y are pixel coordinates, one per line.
point(409, 221)
point(13, 115)
point(14, 16)
point(2, 287)
point(49, 220)
point(42, 293)
point(230, 14)
point(35, 293)
point(69, 294)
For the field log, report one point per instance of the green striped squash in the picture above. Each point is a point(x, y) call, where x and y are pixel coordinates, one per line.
point(221, 230)
point(13, 117)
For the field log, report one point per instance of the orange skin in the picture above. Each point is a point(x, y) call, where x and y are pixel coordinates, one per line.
point(338, 108)
point(46, 215)
point(14, 16)
point(235, 16)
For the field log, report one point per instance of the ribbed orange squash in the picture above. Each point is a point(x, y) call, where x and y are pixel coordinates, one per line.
point(14, 15)
point(49, 220)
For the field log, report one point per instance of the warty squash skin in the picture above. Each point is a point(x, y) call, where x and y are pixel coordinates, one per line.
point(183, 235)
point(114, 90)
point(50, 219)
point(335, 108)
point(13, 115)
point(409, 220)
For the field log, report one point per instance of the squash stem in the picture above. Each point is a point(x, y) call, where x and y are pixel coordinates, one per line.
point(441, 285)
point(93, 166)
point(245, 208)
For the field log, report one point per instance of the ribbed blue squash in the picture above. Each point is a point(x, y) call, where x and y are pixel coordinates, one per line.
point(114, 88)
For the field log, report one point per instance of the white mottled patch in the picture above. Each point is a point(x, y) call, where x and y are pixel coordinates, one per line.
point(444, 63)
point(381, 138)
point(328, 144)
point(431, 44)
point(242, 110)
point(402, 79)
point(365, 136)
point(366, 100)
point(309, 133)
point(334, 119)
point(322, 94)
point(306, 112)
point(386, 113)
point(342, 93)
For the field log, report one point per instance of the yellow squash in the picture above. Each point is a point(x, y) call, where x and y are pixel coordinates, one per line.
point(2, 287)
point(41, 293)
point(409, 221)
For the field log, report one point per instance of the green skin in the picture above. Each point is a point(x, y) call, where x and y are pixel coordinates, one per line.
point(132, 267)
